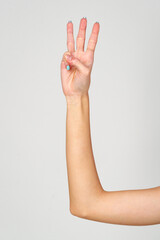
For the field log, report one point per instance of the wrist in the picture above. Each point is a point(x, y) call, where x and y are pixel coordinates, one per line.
point(77, 99)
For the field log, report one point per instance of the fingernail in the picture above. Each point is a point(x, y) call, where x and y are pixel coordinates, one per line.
point(68, 67)
point(85, 17)
point(69, 21)
point(97, 22)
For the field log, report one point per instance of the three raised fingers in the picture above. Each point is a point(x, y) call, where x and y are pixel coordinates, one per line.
point(93, 38)
point(70, 37)
point(80, 41)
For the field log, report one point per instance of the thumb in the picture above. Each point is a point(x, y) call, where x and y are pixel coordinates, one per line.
point(75, 62)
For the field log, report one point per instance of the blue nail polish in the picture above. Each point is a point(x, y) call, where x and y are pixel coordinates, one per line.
point(68, 67)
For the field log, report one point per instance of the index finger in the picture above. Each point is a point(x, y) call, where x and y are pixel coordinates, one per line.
point(93, 38)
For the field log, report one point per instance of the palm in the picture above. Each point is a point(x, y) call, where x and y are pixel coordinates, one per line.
point(77, 80)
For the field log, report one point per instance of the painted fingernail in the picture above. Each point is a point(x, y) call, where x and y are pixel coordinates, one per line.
point(97, 22)
point(69, 21)
point(68, 67)
point(85, 17)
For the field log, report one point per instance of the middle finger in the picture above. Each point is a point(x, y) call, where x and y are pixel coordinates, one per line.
point(81, 35)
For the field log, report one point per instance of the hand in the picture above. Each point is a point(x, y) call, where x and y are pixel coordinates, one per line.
point(76, 80)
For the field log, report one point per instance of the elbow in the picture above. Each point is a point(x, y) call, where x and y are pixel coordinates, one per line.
point(86, 208)
point(79, 211)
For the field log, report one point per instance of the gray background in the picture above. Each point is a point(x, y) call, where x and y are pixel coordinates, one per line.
point(124, 107)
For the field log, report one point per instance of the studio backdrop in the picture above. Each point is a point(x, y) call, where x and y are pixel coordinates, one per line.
point(124, 108)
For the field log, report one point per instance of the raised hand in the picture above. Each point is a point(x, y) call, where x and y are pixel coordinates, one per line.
point(76, 65)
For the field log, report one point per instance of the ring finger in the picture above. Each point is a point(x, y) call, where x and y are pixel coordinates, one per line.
point(70, 37)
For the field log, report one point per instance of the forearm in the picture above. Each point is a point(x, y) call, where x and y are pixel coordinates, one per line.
point(84, 184)
point(87, 197)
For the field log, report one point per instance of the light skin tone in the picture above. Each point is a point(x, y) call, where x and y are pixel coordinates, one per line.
point(88, 199)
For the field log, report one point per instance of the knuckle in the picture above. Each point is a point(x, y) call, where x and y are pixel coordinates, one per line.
point(67, 52)
point(64, 56)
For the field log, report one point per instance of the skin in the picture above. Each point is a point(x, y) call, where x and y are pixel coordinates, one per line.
point(87, 197)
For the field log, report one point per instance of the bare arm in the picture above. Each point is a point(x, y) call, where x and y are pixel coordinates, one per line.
point(87, 197)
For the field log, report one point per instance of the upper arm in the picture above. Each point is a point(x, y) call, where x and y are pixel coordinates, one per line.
point(126, 207)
